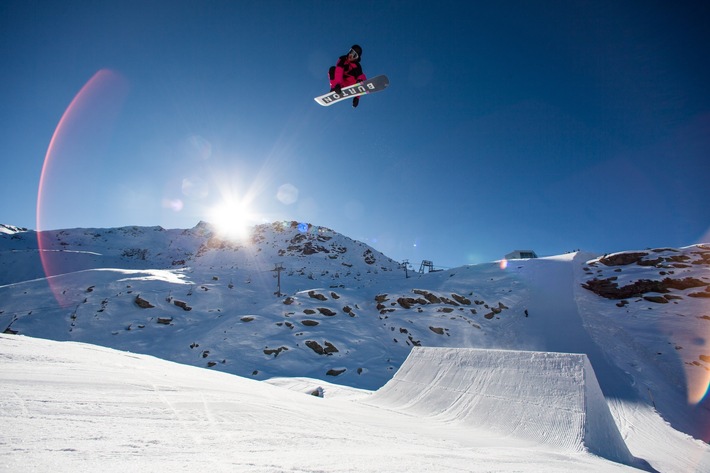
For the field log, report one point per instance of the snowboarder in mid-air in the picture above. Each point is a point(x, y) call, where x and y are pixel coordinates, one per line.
point(347, 81)
point(347, 71)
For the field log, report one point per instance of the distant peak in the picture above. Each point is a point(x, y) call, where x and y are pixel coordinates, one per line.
point(203, 224)
point(4, 228)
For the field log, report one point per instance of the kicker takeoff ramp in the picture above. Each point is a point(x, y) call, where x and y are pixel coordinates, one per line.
point(545, 398)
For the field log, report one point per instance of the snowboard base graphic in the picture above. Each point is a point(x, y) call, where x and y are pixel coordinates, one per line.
point(376, 84)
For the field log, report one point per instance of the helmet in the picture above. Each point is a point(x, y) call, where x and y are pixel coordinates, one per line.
point(357, 49)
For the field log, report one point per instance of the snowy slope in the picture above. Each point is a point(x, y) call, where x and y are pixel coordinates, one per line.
point(82, 408)
point(349, 315)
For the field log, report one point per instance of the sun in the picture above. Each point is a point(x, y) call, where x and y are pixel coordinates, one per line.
point(232, 220)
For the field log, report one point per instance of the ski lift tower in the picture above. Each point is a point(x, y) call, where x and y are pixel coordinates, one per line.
point(426, 264)
point(278, 270)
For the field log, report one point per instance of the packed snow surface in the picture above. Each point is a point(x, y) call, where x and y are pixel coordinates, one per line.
point(577, 362)
point(549, 399)
point(68, 406)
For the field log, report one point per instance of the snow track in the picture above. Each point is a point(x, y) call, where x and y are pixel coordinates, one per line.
point(546, 399)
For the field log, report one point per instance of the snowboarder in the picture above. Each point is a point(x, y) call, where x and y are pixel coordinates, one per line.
point(347, 71)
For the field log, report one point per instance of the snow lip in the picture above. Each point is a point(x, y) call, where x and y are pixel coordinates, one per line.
point(548, 399)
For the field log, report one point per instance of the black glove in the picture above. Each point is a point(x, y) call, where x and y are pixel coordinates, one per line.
point(338, 89)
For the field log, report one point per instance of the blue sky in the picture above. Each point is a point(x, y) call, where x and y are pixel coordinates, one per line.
point(551, 126)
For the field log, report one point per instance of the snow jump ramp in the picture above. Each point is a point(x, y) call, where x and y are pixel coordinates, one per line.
point(544, 398)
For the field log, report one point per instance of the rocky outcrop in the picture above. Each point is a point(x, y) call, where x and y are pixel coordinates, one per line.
point(315, 295)
point(182, 304)
point(610, 289)
point(329, 348)
point(142, 303)
point(274, 351)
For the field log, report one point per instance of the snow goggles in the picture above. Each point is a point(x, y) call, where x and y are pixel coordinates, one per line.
point(353, 54)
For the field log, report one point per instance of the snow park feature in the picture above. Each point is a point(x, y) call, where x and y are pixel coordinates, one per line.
point(544, 399)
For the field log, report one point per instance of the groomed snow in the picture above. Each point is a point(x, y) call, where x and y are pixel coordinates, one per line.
point(69, 406)
point(543, 399)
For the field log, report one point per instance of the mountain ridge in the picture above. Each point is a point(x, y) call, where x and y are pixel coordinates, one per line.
point(298, 300)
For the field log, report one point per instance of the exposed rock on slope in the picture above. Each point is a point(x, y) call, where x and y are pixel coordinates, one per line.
point(668, 261)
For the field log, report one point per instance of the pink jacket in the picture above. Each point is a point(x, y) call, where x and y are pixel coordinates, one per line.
point(347, 73)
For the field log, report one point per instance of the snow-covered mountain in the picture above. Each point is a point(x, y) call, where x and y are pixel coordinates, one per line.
point(301, 301)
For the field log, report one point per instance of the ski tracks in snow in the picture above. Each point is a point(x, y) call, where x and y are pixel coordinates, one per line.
point(556, 325)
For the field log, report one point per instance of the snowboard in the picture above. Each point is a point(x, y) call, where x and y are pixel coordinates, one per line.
point(376, 84)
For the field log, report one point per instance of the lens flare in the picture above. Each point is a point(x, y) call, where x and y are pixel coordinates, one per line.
point(287, 194)
point(95, 106)
point(698, 384)
point(195, 187)
point(697, 375)
point(176, 205)
point(200, 146)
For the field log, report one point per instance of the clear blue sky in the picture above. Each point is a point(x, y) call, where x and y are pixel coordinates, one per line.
point(551, 125)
